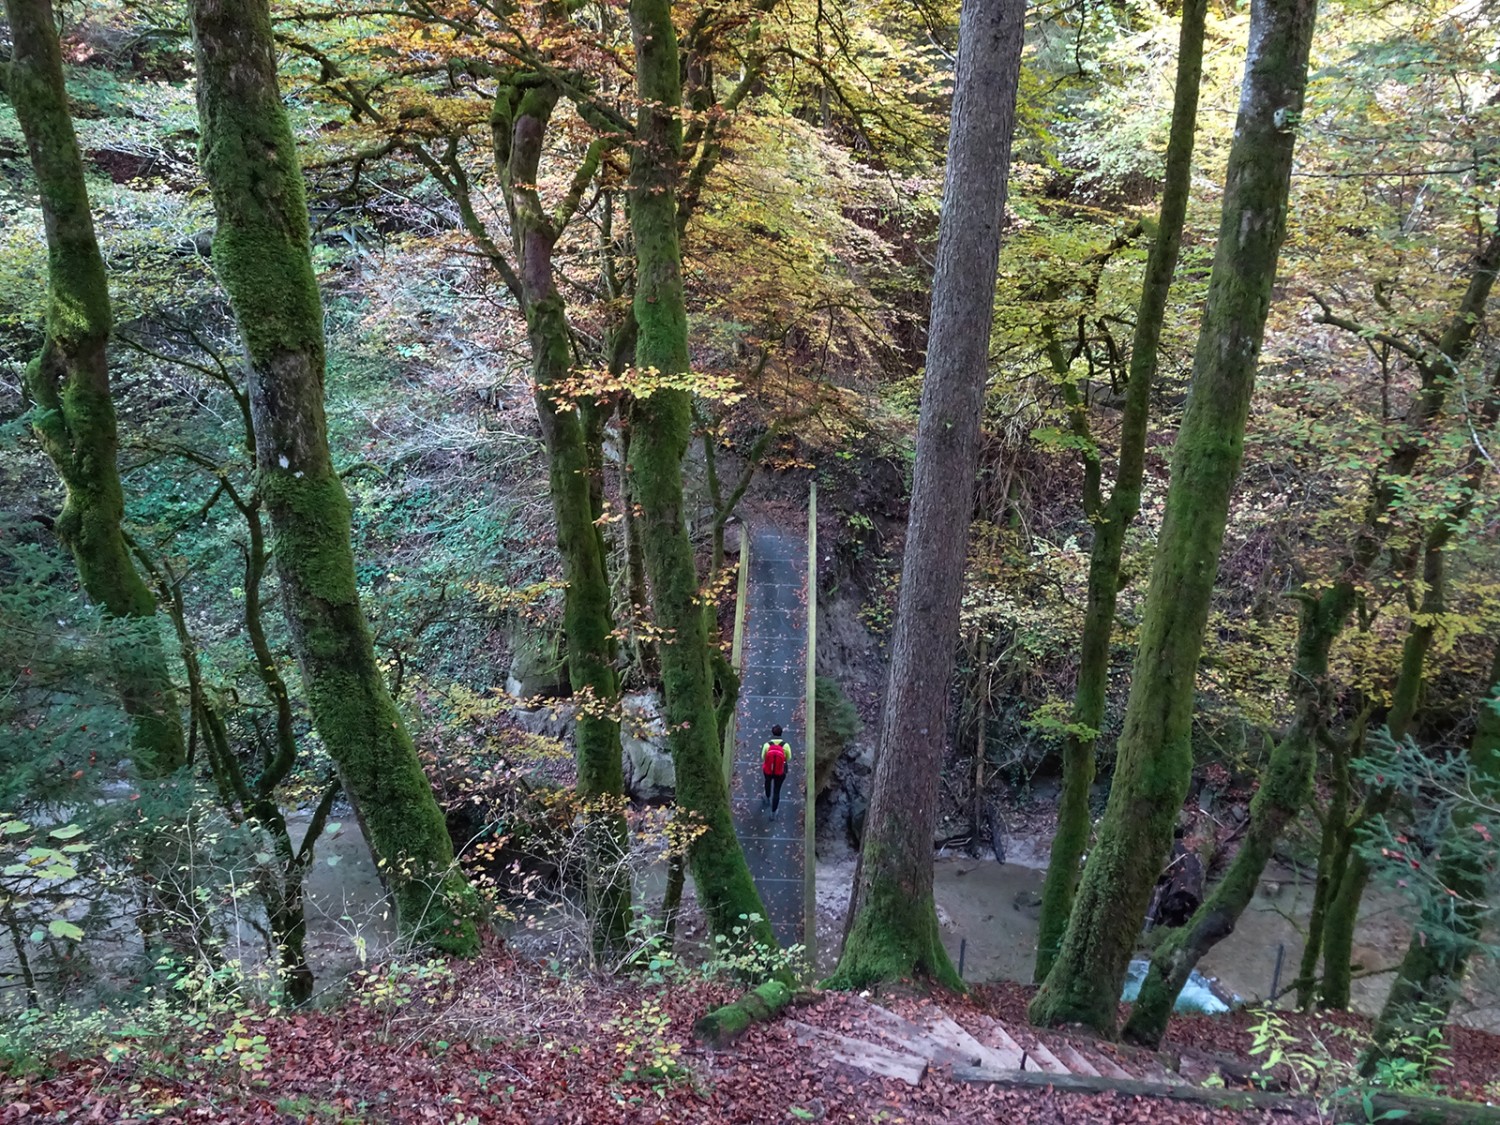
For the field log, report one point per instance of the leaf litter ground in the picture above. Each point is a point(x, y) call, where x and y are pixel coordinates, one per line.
point(505, 1041)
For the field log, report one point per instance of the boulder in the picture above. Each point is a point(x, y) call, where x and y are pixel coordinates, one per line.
point(538, 665)
point(842, 804)
point(554, 721)
point(649, 773)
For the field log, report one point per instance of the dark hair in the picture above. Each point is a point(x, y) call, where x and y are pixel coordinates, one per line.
point(775, 732)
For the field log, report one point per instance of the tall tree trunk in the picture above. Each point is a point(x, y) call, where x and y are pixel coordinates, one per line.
point(1111, 519)
point(522, 113)
point(1333, 854)
point(893, 930)
point(1282, 792)
point(1448, 931)
point(1449, 926)
point(262, 254)
point(1155, 752)
point(662, 426)
point(69, 383)
point(648, 660)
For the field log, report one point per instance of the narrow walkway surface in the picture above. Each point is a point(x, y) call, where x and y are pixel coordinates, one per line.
point(772, 692)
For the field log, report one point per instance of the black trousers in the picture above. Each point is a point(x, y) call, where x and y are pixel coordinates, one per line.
point(773, 790)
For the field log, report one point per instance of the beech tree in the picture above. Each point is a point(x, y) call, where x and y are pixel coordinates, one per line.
point(1112, 517)
point(893, 931)
point(69, 384)
point(262, 253)
point(661, 429)
point(1155, 761)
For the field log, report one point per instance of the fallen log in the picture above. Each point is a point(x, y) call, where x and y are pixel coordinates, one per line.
point(1412, 1109)
point(726, 1024)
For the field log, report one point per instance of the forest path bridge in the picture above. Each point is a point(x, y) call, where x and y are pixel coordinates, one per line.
point(773, 691)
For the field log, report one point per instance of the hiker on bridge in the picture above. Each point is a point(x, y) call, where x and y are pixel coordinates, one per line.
point(774, 757)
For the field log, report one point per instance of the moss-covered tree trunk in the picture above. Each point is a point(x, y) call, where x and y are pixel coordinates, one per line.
point(69, 384)
point(262, 254)
point(522, 112)
point(1155, 753)
point(1332, 853)
point(1449, 929)
point(1283, 790)
point(1112, 518)
point(637, 597)
point(661, 428)
point(893, 929)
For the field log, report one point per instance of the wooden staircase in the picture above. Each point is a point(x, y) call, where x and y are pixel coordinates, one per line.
point(882, 1043)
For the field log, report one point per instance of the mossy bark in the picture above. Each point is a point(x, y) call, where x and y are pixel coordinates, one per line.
point(1333, 853)
point(1111, 518)
point(1449, 930)
point(522, 113)
point(644, 648)
point(893, 930)
point(1155, 753)
point(724, 1025)
point(69, 384)
point(1283, 790)
point(262, 254)
point(661, 425)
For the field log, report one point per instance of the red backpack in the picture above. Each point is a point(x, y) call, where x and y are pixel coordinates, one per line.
point(773, 763)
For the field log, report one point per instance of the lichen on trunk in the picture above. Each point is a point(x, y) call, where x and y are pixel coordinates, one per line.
point(262, 254)
point(1154, 762)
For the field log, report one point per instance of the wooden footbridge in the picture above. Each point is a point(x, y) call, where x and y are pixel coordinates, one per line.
point(774, 651)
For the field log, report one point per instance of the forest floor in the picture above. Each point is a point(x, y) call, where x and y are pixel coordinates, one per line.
point(503, 1041)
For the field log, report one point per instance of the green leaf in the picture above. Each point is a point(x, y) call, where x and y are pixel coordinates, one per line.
point(804, 1114)
point(58, 928)
point(66, 832)
point(333, 860)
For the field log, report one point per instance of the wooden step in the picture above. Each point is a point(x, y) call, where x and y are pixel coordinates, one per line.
point(1108, 1067)
point(1196, 1070)
point(947, 1030)
point(939, 1038)
point(1038, 1057)
point(861, 1054)
point(1075, 1061)
point(997, 1039)
point(1154, 1072)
